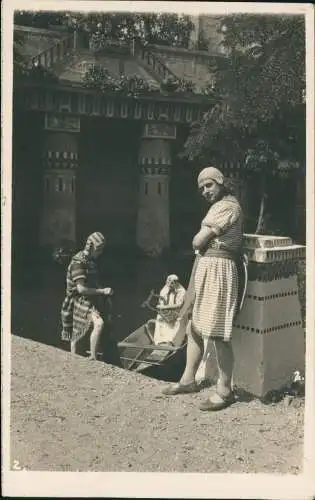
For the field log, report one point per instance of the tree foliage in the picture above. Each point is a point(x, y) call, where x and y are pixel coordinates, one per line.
point(39, 19)
point(259, 116)
point(19, 62)
point(162, 28)
point(261, 79)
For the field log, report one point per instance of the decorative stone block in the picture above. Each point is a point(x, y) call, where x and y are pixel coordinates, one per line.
point(268, 336)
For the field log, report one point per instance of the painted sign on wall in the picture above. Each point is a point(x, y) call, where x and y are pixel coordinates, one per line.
point(62, 122)
point(159, 131)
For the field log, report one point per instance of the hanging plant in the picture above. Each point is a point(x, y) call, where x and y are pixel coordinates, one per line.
point(133, 85)
point(97, 41)
point(209, 89)
point(99, 78)
point(185, 86)
point(169, 84)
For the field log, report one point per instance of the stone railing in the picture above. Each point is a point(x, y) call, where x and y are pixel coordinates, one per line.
point(197, 55)
point(154, 62)
point(194, 66)
point(55, 53)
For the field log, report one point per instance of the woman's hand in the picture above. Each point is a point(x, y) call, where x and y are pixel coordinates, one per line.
point(107, 291)
point(196, 243)
point(202, 238)
point(161, 306)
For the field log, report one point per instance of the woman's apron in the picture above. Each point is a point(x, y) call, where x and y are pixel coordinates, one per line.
point(241, 261)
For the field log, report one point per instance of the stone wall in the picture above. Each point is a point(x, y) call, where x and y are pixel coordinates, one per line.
point(75, 69)
point(36, 40)
point(208, 26)
point(188, 67)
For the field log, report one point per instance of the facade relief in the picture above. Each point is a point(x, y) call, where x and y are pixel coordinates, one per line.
point(62, 122)
point(159, 131)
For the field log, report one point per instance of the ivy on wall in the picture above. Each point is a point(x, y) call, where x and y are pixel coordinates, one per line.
point(99, 78)
point(157, 28)
point(172, 84)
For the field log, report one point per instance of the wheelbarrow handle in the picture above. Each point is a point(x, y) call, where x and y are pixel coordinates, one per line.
point(147, 301)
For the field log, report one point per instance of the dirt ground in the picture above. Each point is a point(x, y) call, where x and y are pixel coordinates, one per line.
point(70, 414)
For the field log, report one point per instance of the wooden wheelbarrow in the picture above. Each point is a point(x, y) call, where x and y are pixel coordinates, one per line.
point(138, 350)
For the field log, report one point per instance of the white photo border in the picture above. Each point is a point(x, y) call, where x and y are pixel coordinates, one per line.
point(157, 485)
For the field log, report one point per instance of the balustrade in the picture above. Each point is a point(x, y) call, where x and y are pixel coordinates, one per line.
point(54, 54)
point(154, 62)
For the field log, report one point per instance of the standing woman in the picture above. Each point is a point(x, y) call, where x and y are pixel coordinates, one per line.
point(215, 284)
point(82, 308)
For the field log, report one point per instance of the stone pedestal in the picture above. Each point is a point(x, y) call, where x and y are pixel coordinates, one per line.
point(153, 232)
point(60, 161)
point(268, 337)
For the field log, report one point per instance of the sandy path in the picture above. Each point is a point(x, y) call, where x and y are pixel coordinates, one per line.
point(70, 414)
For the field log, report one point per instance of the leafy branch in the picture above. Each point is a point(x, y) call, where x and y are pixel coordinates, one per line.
point(259, 89)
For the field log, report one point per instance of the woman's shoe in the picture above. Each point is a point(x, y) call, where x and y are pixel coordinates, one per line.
point(180, 389)
point(225, 402)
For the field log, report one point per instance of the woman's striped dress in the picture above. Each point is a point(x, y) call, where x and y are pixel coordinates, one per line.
point(75, 310)
point(216, 278)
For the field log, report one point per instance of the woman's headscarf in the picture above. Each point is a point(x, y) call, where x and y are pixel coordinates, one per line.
point(95, 240)
point(175, 295)
point(210, 174)
point(172, 278)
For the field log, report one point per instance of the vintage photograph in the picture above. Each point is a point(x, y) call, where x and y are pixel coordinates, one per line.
point(158, 272)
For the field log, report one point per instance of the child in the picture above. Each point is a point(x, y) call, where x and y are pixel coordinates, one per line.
point(168, 326)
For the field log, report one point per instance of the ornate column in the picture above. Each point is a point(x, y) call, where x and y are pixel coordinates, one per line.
point(155, 159)
point(60, 161)
point(268, 337)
